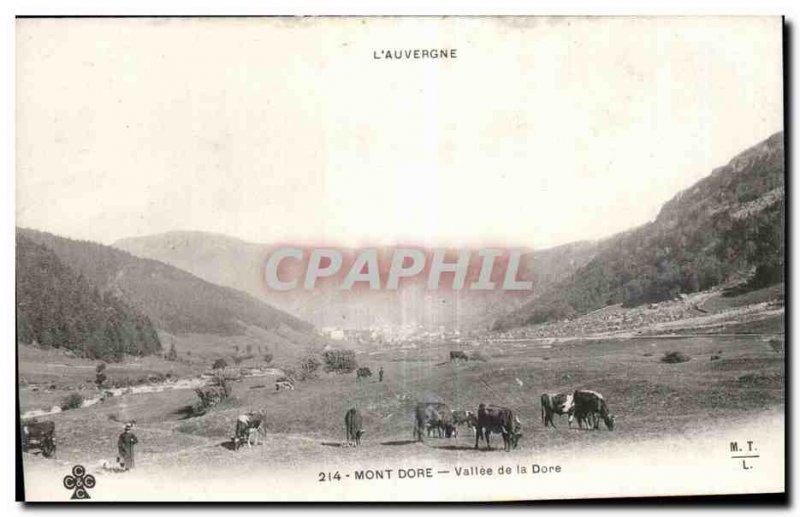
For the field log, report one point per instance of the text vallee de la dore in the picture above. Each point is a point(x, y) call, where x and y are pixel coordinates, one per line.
point(287, 268)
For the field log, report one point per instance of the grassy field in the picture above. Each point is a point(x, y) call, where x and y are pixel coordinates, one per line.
point(651, 399)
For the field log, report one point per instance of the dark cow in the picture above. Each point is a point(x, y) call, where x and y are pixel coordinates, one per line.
point(353, 426)
point(433, 416)
point(363, 372)
point(556, 404)
point(41, 435)
point(249, 428)
point(590, 406)
point(456, 355)
point(500, 420)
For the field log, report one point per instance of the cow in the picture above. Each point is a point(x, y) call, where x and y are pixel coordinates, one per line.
point(556, 404)
point(440, 431)
point(433, 416)
point(465, 417)
point(249, 428)
point(353, 426)
point(363, 372)
point(492, 419)
point(456, 355)
point(590, 406)
point(41, 435)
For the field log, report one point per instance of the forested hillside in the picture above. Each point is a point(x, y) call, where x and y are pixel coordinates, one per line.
point(727, 226)
point(58, 308)
point(174, 300)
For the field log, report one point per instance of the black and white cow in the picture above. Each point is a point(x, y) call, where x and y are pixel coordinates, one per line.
point(249, 429)
point(590, 407)
point(556, 404)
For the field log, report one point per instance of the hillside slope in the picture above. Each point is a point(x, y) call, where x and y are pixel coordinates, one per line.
point(727, 226)
point(174, 300)
point(57, 308)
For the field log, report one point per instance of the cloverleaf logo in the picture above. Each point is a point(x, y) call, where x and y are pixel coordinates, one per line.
point(79, 482)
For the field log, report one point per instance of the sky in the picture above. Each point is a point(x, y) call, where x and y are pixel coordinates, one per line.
point(542, 131)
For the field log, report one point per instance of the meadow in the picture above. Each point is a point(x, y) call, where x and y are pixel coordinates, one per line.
point(651, 400)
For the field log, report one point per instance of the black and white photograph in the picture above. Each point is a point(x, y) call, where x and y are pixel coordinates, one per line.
point(400, 258)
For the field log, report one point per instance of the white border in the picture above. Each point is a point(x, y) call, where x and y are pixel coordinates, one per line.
point(10, 9)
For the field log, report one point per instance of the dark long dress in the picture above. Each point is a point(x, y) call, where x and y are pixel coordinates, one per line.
point(125, 444)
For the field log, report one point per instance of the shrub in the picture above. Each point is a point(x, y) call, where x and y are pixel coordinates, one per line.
point(219, 363)
point(72, 401)
point(777, 345)
point(209, 397)
point(477, 356)
point(268, 357)
point(218, 390)
point(307, 369)
point(760, 380)
point(100, 374)
point(675, 357)
point(290, 374)
point(172, 355)
point(340, 361)
point(156, 377)
point(221, 380)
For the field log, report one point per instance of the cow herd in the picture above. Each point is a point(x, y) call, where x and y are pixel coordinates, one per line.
point(586, 407)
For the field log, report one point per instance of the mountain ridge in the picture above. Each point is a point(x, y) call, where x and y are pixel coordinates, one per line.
point(175, 300)
point(58, 308)
point(728, 224)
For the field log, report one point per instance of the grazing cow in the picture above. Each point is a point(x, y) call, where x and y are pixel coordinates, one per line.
point(433, 415)
point(363, 372)
point(353, 426)
point(249, 428)
point(493, 419)
point(589, 405)
point(556, 404)
point(456, 355)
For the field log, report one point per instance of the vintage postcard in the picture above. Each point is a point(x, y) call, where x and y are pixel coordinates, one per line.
point(400, 258)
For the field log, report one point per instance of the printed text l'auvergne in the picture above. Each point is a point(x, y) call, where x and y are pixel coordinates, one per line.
point(396, 54)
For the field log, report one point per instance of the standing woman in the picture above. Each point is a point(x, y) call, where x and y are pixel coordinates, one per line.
point(125, 445)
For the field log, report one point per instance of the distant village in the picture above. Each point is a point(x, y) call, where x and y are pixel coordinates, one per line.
point(387, 334)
